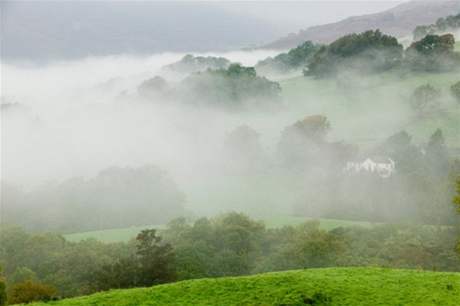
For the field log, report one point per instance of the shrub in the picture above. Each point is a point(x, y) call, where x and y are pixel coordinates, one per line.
point(29, 291)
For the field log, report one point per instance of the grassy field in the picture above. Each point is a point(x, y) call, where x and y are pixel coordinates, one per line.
point(125, 234)
point(379, 105)
point(326, 287)
point(111, 235)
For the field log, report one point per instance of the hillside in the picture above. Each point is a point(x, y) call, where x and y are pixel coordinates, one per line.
point(330, 286)
point(399, 21)
point(386, 99)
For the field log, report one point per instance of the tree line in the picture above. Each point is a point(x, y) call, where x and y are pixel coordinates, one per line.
point(46, 266)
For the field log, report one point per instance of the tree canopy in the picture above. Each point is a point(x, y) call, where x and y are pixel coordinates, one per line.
point(237, 87)
point(433, 53)
point(296, 58)
point(370, 51)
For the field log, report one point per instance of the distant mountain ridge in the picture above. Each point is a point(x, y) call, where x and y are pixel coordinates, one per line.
point(399, 21)
point(34, 30)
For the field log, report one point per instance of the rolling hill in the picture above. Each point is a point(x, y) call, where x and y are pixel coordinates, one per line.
point(399, 21)
point(329, 286)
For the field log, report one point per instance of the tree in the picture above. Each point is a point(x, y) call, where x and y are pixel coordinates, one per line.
point(296, 58)
point(370, 51)
point(29, 291)
point(433, 53)
point(234, 88)
point(2, 290)
point(425, 99)
point(455, 90)
point(191, 64)
point(303, 141)
point(437, 153)
point(457, 196)
point(153, 263)
point(442, 25)
point(156, 259)
point(457, 202)
point(243, 149)
point(153, 87)
point(116, 197)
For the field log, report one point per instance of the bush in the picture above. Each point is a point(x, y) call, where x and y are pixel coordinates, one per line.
point(29, 291)
point(455, 90)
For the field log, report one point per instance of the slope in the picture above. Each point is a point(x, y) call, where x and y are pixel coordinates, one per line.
point(329, 286)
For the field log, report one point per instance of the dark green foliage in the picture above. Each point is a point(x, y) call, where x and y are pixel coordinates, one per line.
point(235, 88)
point(226, 245)
point(304, 246)
point(294, 59)
point(29, 291)
point(442, 25)
point(425, 99)
point(153, 263)
point(455, 90)
point(190, 64)
point(2, 291)
point(50, 259)
point(231, 244)
point(370, 51)
point(156, 259)
point(97, 203)
point(433, 53)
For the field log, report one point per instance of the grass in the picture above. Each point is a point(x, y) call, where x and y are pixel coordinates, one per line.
point(329, 286)
point(378, 103)
point(125, 234)
point(111, 235)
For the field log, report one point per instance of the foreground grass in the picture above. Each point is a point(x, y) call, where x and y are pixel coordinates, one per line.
point(330, 286)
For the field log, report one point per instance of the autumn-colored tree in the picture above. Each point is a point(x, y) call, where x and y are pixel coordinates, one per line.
point(29, 291)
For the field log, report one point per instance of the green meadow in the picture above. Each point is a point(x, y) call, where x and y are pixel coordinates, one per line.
point(326, 287)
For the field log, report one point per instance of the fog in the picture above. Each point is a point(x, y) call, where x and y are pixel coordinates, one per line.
point(77, 118)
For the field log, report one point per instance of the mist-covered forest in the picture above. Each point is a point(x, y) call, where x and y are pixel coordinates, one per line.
point(197, 154)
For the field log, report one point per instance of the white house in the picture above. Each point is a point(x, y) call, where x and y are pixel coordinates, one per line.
point(384, 170)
